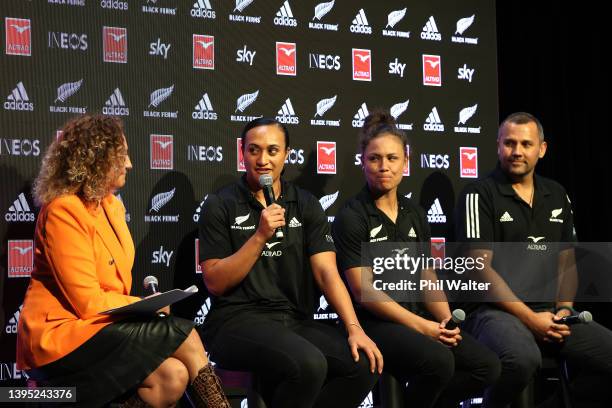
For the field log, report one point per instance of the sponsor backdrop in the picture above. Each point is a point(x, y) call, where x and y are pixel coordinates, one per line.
point(185, 76)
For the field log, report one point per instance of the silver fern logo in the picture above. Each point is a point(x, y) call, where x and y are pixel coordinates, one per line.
point(158, 10)
point(463, 24)
point(245, 100)
point(397, 110)
point(64, 92)
point(157, 203)
point(156, 98)
point(328, 200)
point(393, 19)
point(161, 199)
point(68, 89)
point(242, 103)
point(238, 15)
point(160, 95)
point(323, 106)
point(464, 116)
point(320, 11)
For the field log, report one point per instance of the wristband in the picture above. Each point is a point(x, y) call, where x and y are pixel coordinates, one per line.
point(569, 308)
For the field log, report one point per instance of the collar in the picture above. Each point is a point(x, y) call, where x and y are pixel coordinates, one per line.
point(288, 192)
point(365, 196)
point(504, 183)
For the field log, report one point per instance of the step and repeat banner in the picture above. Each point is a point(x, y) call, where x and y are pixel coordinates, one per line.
point(186, 75)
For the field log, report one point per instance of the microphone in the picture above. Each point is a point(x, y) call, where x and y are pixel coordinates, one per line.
point(150, 283)
point(583, 317)
point(457, 317)
point(265, 181)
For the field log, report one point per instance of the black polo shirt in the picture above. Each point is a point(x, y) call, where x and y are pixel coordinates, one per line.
point(359, 220)
point(279, 279)
point(490, 211)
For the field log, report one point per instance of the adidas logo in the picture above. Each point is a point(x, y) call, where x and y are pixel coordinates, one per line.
point(286, 114)
point(435, 215)
point(284, 16)
point(360, 24)
point(294, 223)
point(360, 116)
point(433, 123)
point(203, 312)
point(204, 110)
point(203, 9)
point(430, 31)
point(18, 100)
point(19, 211)
point(412, 233)
point(11, 327)
point(506, 217)
point(115, 105)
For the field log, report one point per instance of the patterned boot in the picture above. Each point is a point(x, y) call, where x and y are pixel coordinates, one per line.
point(207, 391)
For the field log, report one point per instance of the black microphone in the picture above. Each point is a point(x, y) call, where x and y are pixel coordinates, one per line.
point(150, 283)
point(457, 317)
point(265, 181)
point(583, 317)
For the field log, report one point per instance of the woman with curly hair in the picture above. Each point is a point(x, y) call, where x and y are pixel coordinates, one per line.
point(82, 266)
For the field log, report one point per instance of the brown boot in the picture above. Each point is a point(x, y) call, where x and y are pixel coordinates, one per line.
point(207, 391)
point(134, 402)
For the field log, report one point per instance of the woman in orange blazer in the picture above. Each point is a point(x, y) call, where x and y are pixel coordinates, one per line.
point(82, 266)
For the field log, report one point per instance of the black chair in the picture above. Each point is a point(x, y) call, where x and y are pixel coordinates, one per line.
point(238, 384)
point(552, 369)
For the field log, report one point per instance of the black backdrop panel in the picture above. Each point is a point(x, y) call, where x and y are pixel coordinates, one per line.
point(185, 75)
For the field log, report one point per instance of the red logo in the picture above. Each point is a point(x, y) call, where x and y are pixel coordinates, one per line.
point(407, 166)
point(286, 59)
point(18, 32)
point(326, 157)
point(362, 65)
point(162, 152)
point(203, 51)
point(469, 162)
point(115, 44)
point(20, 258)
point(438, 248)
point(198, 267)
point(432, 70)
point(239, 155)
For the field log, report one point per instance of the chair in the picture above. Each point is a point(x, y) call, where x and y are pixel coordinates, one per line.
point(552, 369)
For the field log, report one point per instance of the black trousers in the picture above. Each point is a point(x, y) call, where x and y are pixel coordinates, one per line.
point(303, 363)
point(588, 351)
point(437, 375)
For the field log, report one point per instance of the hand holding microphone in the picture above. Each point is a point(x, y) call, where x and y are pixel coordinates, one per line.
point(151, 285)
point(451, 328)
point(265, 181)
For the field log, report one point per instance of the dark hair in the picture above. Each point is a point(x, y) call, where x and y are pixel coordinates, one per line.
point(376, 124)
point(264, 122)
point(522, 118)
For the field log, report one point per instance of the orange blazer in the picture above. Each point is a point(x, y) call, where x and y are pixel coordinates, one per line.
point(80, 269)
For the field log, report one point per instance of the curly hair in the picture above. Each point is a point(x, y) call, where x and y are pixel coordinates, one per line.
point(84, 161)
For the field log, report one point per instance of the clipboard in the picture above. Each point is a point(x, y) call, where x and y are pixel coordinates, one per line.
point(151, 304)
